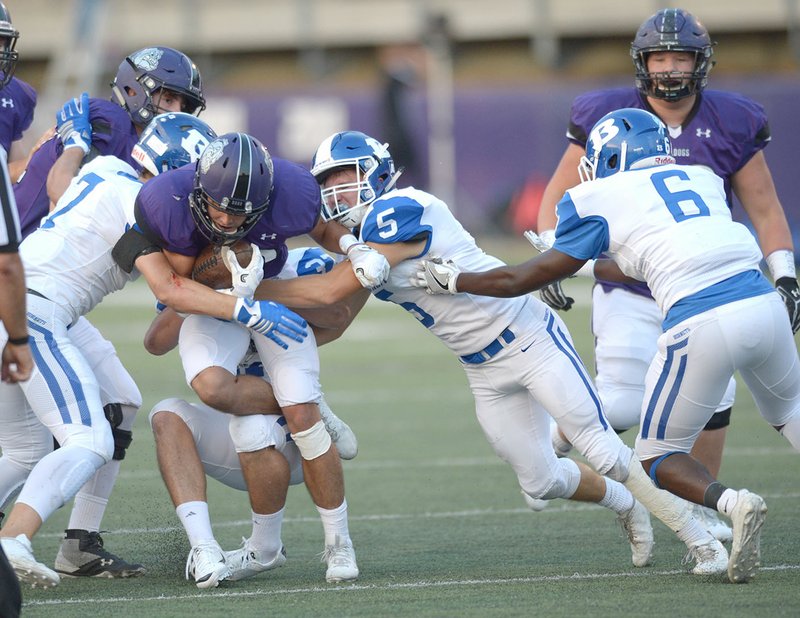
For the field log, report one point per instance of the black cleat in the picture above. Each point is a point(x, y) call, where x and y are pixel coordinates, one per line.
point(82, 555)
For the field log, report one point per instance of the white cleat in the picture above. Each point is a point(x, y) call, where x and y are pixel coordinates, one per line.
point(637, 527)
point(339, 431)
point(534, 504)
point(748, 517)
point(711, 558)
point(206, 565)
point(341, 560)
point(710, 520)
point(20, 555)
point(246, 562)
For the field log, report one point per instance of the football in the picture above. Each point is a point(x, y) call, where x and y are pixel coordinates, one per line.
point(210, 270)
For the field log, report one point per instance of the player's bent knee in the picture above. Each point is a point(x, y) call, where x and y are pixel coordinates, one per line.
point(212, 385)
point(255, 432)
point(621, 468)
point(719, 420)
point(563, 484)
point(117, 414)
point(313, 442)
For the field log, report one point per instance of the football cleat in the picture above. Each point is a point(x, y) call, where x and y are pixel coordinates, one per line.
point(82, 555)
point(246, 562)
point(206, 565)
point(20, 555)
point(636, 524)
point(341, 560)
point(748, 517)
point(710, 558)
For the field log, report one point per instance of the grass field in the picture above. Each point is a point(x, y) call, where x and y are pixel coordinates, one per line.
point(439, 526)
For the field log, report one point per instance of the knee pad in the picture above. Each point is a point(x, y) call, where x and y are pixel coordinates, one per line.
point(255, 432)
point(313, 442)
point(620, 469)
point(122, 437)
point(719, 420)
point(563, 485)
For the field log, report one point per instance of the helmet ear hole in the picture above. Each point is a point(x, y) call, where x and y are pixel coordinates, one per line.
point(612, 162)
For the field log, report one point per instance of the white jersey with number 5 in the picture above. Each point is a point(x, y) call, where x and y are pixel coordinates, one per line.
point(668, 225)
point(465, 323)
point(68, 259)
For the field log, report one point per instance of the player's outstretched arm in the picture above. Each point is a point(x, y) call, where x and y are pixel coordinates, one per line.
point(506, 281)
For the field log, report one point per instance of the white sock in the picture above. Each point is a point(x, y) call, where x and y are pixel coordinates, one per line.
point(334, 523)
point(266, 535)
point(727, 501)
point(617, 497)
point(196, 521)
point(87, 512)
point(693, 533)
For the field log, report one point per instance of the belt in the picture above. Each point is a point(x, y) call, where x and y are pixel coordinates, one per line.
point(490, 350)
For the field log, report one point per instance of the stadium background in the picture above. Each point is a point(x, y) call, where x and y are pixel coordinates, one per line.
point(473, 96)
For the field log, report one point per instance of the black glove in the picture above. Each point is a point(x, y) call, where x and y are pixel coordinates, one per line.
point(554, 297)
point(790, 293)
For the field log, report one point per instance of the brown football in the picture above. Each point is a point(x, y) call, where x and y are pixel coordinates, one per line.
point(210, 270)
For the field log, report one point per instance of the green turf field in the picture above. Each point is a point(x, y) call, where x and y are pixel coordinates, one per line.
point(439, 526)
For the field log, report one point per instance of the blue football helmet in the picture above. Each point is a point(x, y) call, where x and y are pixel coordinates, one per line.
point(171, 141)
point(672, 30)
point(375, 174)
point(8, 41)
point(622, 140)
point(142, 74)
point(234, 174)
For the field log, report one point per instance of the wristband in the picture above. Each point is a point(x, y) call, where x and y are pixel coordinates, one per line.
point(346, 242)
point(781, 264)
point(19, 340)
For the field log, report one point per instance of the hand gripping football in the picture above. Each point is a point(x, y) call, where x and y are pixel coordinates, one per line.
point(210, 270)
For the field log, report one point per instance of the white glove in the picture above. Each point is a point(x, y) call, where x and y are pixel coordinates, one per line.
point(437, 276)
point(540, 243)
point(369, 266)
point(271, 320)
point(245, 279)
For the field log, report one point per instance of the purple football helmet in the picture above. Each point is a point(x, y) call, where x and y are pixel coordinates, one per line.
point(170, 141)
point(234, 175)
point(8, 41)
point(672, 30)
point(142, 74)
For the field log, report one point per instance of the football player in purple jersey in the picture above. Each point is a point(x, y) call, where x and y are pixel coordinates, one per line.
point(148, 82)
point(724, 131)
point(181, 212)
point(17, 100)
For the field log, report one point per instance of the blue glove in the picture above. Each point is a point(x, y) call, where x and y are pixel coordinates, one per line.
point(271, 320)
point(73, 125)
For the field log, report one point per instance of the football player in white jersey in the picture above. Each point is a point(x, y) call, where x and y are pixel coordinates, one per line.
point(669, 225)
point(87, 248)
point(193, 440)
point(518, 354)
